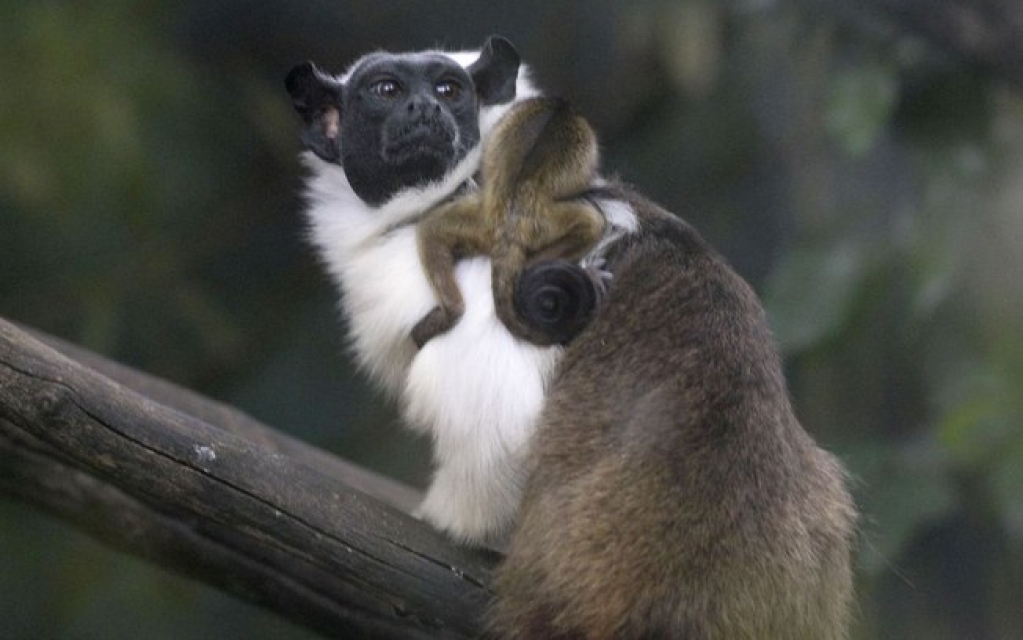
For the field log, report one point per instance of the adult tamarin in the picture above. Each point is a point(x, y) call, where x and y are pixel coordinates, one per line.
point(673, 493)
point(389, 139)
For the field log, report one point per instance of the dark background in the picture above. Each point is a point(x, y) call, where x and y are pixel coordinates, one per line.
point(861, 167)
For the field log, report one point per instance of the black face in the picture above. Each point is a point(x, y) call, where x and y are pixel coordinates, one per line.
point(408, 121)
point(401, 120)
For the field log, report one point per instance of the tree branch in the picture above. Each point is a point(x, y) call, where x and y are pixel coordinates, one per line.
point(205, 490)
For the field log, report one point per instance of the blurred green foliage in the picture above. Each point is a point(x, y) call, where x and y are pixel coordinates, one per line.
point(867, 182)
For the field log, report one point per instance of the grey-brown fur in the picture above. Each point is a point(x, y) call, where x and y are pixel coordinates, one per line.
point(674, 493)
point(536, 163)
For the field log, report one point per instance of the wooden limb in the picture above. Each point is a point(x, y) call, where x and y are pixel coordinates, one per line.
point(206, 491)
point(231, 419)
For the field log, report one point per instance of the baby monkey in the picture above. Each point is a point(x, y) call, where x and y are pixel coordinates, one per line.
point(537, 166)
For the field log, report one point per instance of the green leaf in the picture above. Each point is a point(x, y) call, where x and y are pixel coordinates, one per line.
point(810, 294)
point(859, 105)
point(901, 491)
point(978, 424)
point(1006, 481)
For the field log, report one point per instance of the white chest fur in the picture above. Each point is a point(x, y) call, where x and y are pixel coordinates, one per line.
point(475, 389)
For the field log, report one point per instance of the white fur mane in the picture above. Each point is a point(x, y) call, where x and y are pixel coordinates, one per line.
point(476, 389)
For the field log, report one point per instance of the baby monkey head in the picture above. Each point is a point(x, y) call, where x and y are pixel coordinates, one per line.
point(401, 120)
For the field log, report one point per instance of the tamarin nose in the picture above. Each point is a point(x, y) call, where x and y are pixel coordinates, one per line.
point(422, 107)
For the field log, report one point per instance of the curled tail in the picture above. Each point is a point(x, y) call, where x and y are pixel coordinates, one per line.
point(548, 302)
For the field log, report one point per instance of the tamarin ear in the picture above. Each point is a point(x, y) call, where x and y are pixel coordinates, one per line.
point(495, 72)
point(317, 98)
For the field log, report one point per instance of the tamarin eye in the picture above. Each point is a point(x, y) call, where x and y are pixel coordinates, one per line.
point(448, 90)
point(386, 89)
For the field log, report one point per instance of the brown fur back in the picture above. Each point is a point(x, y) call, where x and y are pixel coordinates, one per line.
point(674, 494)
point(542, 150)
